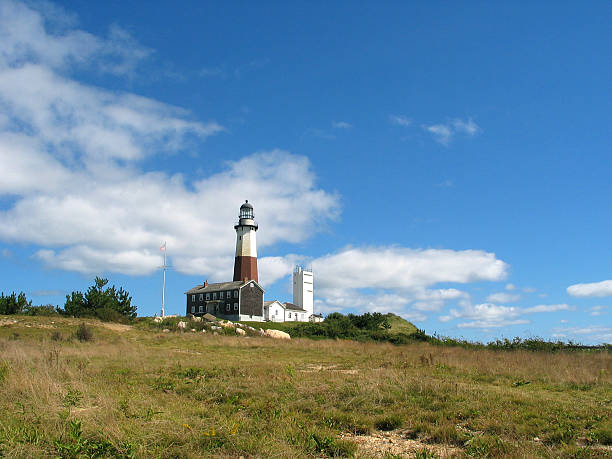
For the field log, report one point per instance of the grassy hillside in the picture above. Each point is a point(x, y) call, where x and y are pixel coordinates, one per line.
point(399, 325)
point(136, 392)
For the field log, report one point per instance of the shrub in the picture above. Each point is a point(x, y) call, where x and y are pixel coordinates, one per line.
point(98, 298)
point(46, 310)
point(13, 303)
point(56, 336)
point(84, 333)
point(387, 423)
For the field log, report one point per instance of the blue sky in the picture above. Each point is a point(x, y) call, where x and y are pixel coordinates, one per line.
point(447, 162)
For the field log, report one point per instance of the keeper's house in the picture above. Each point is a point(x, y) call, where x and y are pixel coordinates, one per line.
point(235, 301)
point(242, 299)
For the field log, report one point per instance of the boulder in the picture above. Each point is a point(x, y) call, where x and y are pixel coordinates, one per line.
point(193, 330)
point(165, 330)
point(214, 327)
point(181, 325)
point(157, 319)
point(261, 331)
point(203, 330)
point(227, 324)
point(240, 331)
point(196, 319)
point(277, 334)
point(209, 317)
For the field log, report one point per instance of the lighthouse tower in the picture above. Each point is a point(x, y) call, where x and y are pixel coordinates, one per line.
point(245, 264)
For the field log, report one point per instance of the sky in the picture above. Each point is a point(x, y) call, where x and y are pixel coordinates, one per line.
point(447, 162)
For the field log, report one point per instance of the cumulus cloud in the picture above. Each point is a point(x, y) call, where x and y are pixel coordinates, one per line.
point(594, 289)
point(444, 133)
point(399, 279)
point(589, 333)
point(488, 315)
point(73, 157)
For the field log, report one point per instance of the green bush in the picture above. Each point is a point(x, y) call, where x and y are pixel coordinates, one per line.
point(13, 303)
point(387, 423)
point(99, 300)
point(84, 333)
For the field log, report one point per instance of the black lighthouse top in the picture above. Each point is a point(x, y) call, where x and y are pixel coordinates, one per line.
point(246, 217)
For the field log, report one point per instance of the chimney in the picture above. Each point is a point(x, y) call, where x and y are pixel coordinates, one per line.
point(246, 279)
point(206, 283)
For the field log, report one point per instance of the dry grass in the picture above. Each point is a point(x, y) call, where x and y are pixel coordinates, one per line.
point(146, 394)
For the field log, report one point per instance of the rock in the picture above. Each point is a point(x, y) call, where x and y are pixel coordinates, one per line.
point(193, 329)
point(261, 331)
point(157, 319)
point(214, 327)
point(277, 334)
point(181, 325)
point(209, 317)
point(203, 330)
point(165, 330)
point(227, 324)
point(190, 316)
point(250, 328)
point(240, 331)
point(215, 333)
point(197, 319)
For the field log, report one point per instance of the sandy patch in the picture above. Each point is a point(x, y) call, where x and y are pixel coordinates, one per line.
point(380, 444)
point(116, 327)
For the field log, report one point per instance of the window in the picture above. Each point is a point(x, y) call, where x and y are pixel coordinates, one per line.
point(290, 315)
point(215, 296)
point(229, 294)
point(221, 295)
point(192, 308)
point(201, 308)
point(235, 293)
point(193, 298)
point(201, 296)
point(216, 308)
point(207, 296)
point(227, 307)
point(235, 306)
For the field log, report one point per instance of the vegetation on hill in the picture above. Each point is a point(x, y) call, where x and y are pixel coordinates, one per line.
point(110, 304)
point(105, 303)
point(138, 392)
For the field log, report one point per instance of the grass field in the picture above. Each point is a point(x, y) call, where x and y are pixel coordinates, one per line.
point(138, 392)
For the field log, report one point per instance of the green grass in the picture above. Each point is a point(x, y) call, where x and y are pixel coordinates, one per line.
point(399, 325)
point(139, 392)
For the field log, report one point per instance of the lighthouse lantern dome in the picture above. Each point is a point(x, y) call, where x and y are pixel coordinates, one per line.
point(246, 210)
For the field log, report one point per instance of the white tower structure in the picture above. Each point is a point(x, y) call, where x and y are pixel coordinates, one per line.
point(303, 288)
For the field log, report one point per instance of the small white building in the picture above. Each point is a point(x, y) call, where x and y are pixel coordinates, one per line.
point(302, 308)
point(275, 311)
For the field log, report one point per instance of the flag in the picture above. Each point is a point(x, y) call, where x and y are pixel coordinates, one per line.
point(163, 247)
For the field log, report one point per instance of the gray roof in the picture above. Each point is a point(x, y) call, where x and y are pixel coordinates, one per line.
point(220, 286)
point(268, 303)
point(293, 307)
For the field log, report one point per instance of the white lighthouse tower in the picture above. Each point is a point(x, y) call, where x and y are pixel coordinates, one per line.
point(303, 288)
point(245, 263)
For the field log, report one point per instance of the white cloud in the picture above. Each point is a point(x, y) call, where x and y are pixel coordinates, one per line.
point(503, 297)
point(488, 315)
point(594, 289)
point(444, 133)
point(400, 120)
point(73, 156)
point(341, 125)
point(510, 287)
point(399, 279)
point(590, 333)
point(599, 310)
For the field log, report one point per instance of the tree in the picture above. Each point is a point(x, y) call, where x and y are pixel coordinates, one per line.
point(13, 303)
point(106, 303)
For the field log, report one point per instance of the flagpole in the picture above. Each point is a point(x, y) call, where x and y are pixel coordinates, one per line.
point(164, 283)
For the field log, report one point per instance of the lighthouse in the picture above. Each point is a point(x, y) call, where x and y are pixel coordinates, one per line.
point(245, 263)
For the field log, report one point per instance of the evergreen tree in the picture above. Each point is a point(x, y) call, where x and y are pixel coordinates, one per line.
point(13, 303)
point(106, 303)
